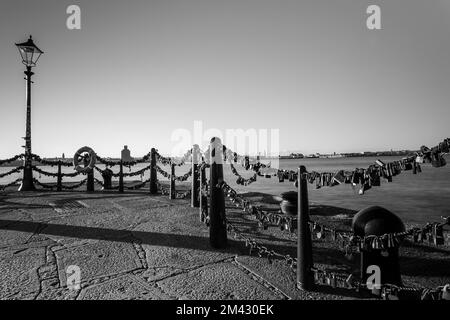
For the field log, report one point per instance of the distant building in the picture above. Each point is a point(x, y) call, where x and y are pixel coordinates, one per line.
point(126, 154)
point(63, 156)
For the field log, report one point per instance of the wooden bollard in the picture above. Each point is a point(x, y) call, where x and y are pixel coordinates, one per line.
point(195, 185)
point(153, 178)
point(203, 205)
point(59, 178)
point(121, 176)
point(305, 278)
point(217, 221)
point(172, 193)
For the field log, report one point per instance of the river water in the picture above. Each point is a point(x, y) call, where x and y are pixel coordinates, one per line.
point(423, 197)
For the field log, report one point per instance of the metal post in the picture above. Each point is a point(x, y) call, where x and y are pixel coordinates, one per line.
point(59, 178)
point(195, 202)
point(153, 178)
point(27, 181)
point(304, 243)
point(172, 182)
point(107, 176)
point(90, 177)
point(203, 205)
point(121, 176)
point(217, 222)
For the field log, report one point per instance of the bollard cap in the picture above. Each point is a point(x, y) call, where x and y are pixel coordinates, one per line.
point(216, 140)
point(216, 150)
point(377, 221)
point(290, 196)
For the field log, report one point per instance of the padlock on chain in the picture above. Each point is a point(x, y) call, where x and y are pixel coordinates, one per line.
point(333, 235)
point(333, 281)
point(291, 177)
point(420, 236)
point(349, 282)
point(316, 277)
point(348, 253)
point(291, 226)
point(280, 176)
point(446, 292)
point(438, 235)
point(391, 241)
point(415, 237)
point(375, 244)
point(319, 232)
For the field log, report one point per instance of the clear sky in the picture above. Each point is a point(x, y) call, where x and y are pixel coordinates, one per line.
point(139, 69)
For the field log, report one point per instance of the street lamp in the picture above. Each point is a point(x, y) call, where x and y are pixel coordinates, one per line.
point(30, 54)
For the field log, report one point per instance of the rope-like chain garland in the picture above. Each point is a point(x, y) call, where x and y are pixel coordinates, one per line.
point(3, 187)
point(51, 163)
point(15, 170)
point(52, 174)
point(169, 176)
point(16, 157)
point(53, 186)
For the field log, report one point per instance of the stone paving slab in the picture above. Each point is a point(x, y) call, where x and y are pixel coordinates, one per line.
point(125, 287)
point(9, 236)
point(18, 273)
point(96, 260)
point(222, 281)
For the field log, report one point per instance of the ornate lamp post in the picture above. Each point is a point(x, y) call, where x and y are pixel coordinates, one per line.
point(30, 54)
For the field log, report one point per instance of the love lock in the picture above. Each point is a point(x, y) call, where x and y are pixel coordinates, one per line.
point(446, 292)
point(392, 243)
point(318, 231)
point(319, 234)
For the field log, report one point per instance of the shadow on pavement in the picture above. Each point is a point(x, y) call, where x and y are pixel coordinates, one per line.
point(129, 236)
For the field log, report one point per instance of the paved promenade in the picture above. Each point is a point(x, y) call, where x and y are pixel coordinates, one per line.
point(135, 246)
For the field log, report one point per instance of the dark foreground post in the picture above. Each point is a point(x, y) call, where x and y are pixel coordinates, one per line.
point(121, 176)
point(59, 178)
point(90, 177)
point(304, 244)
point(153, 185)
point(195, 202)
point(203, 197)
point(172, 182)
point(217, 223)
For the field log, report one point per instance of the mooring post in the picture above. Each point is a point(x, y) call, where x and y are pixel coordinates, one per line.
point(121, 176)
point(153, 178)
point(304, 243)
point(90, 177)
point(195, 201)
point(217, 221)
point(107, 176)
point(203, 205)
point(172, 193)
point(59, 178)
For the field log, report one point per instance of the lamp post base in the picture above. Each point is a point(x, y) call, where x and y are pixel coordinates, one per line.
point(26, 187)
point(27, 181)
